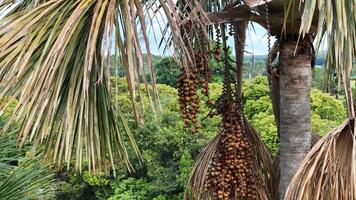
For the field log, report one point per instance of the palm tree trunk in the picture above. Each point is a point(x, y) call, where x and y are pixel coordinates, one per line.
point(273, 81)
point(239, 39)
point(295, 128)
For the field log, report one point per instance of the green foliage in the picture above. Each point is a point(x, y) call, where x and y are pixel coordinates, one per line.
point(327, 111)
point(168, 150)
point(318, 78)
point(75, 186)
point(254, 107)
point(322, 126)
point(256, 88)
point(7, 106)
point(265, 125)
point(130, 189)
point(161, 197)
point(217, 69)
point(326, 106)
point(258, 109)
point(95, 180)
point(185, 165)
point(22, 176)
point(167, 71)
point(257, 68)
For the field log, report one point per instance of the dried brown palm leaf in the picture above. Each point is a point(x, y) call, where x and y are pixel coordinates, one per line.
point(178, 15)
point(195, 188)
point(55, 58)
point(328, 172)
point(266, 168)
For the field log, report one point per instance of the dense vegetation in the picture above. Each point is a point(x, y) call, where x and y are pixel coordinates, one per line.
point(168, 150)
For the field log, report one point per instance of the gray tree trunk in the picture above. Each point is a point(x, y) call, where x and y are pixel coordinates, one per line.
point(295, 127)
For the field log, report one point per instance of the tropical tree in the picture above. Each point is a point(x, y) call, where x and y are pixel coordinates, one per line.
point(54, 57)
point(290, 78)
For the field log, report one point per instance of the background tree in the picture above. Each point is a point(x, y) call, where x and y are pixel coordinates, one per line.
point(167, 71)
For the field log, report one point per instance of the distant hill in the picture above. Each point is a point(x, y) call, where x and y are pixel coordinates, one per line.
point(257, 59)
point(155, 59)
point(262, 58)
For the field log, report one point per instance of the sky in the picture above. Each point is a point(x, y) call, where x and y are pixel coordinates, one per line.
point(256, 39)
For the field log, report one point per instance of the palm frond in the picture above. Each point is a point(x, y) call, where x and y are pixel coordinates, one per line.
point(22, 177)
point(328, 171)
point(55, 58)
point(266, 168)
point(336, 23)
point(196, 185)
point(30, 180)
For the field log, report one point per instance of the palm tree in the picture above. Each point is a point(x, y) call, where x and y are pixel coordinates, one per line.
point(290, 78)
point(54, 57)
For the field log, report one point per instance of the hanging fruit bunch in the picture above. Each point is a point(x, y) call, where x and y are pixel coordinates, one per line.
point(188, 99)
point(232, 171)
point(194, 77)
point(202, 62)
point(217, 50)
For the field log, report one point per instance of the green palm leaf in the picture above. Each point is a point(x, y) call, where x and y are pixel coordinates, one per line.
point(336, 24)
point(22, 177)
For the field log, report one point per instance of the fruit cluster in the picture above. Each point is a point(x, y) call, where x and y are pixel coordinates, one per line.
point(189, 99)
point(202, 59)
point(230, 174)
point(193, 77)
point(202, 64)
